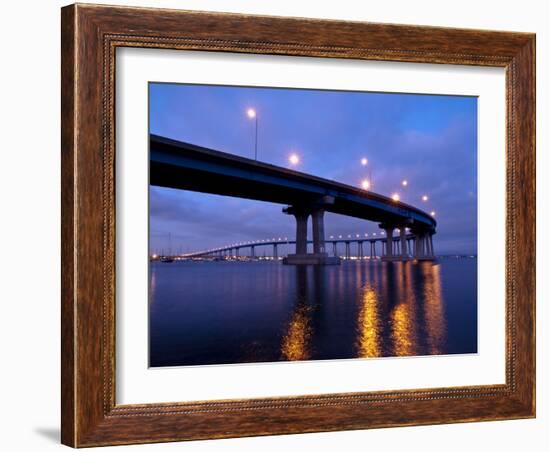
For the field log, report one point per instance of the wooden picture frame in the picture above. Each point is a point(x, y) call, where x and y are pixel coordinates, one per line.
point(90, 36)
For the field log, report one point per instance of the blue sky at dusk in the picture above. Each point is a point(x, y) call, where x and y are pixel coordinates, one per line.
point(431, 141)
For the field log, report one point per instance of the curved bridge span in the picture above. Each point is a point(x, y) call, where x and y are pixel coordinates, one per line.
point(365, 247)
point(185, 166)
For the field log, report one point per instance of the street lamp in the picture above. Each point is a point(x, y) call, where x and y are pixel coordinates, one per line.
point(425, 198)
point(364, 161)
point(395, 197)
point(365, 184)
point(251, 113)
point(294, 159)
point(405, 183)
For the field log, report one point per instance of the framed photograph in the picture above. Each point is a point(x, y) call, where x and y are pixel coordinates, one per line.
point(281, 225)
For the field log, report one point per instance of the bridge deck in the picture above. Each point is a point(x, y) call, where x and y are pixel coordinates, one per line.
point(180, 165)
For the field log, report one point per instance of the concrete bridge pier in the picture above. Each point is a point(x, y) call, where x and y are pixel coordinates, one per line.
point(334, 249)
point(318, 226)
point(301, 231)
point(388, 255)
point(403, 238)
point(301, 214)
point(275, 253)
point(395, 248)
point(423, 245)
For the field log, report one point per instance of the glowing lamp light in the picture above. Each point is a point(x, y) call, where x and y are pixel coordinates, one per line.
point(405, 183)
point(364, 161)
point(251, 113)
point(425, 198)
point(294, 159)
point(365, 184)
point(395, 197)
point(432, 213)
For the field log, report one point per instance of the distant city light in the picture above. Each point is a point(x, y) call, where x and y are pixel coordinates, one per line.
point(357, 235)
point(294, 159)
point(365, 184)
point(364, 161)
point(251, 113)
point(395, 197)
point(425, 198)
point(405, 183)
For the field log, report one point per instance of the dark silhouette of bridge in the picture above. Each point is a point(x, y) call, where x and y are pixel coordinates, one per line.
point(185, 166)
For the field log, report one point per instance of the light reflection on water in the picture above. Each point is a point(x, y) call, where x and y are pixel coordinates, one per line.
point(236, 312)
point(403, 314)
point(368, 326)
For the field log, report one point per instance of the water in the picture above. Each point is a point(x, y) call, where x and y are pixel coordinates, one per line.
point(242, 312)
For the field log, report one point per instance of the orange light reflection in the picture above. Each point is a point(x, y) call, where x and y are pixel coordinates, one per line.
point(295, 342)
point(434, 314)
point(368, 340)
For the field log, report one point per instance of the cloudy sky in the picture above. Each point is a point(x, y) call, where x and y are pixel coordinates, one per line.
point(431, 141)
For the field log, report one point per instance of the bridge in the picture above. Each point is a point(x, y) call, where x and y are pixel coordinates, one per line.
point(184, 166)
point(360, 242)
